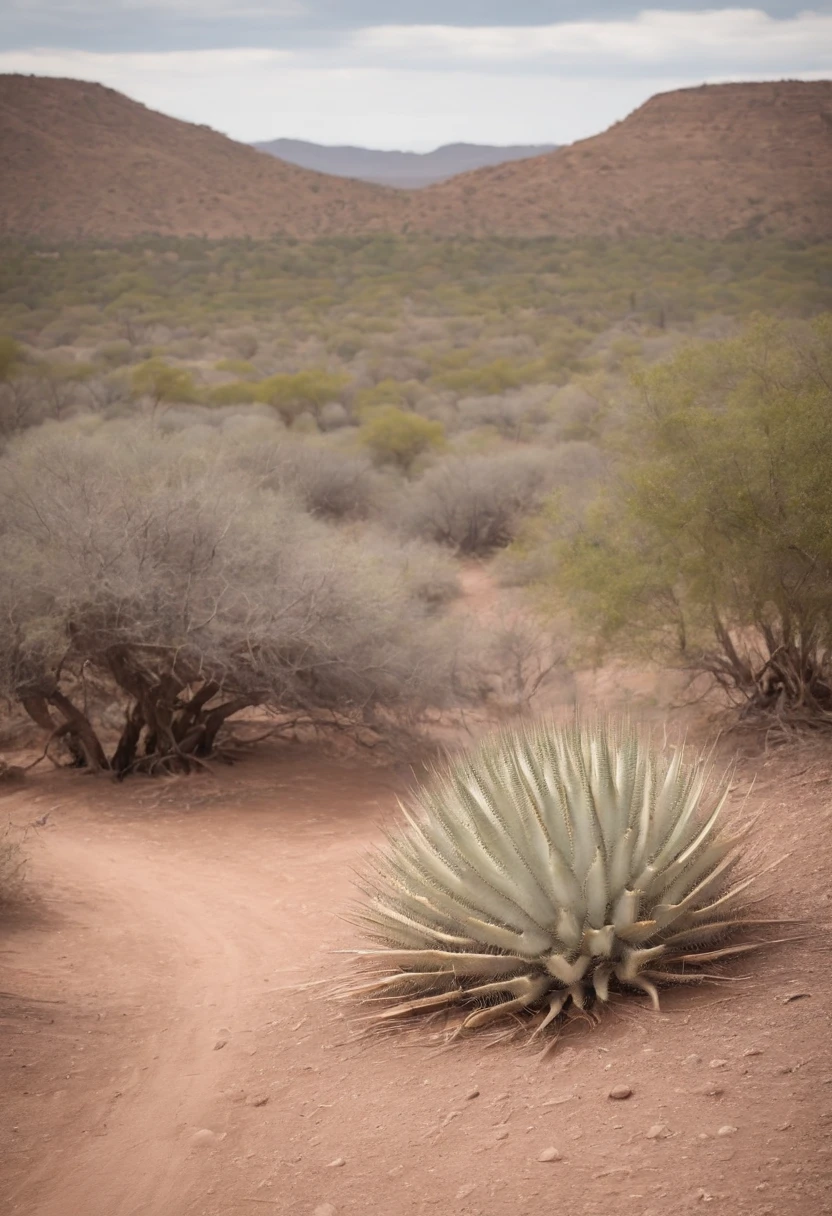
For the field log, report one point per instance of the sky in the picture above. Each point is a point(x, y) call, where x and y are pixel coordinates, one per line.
point(411, 74)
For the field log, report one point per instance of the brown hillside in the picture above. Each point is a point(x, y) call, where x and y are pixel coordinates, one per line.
point(706, 162)
point(83, 160)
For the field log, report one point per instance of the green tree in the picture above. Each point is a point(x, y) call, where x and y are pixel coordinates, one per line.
point(713, 545)
point(301, 392)
point(162, 383)
point(397, 437)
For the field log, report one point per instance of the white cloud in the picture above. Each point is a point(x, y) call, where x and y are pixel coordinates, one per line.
point(745, 38)
point(397, 87)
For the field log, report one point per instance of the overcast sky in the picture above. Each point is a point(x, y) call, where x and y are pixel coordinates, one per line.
point(410, 73)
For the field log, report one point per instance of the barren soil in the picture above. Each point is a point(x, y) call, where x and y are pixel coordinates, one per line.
point(83, 161)
point(168, 1046)
point(161, 1055)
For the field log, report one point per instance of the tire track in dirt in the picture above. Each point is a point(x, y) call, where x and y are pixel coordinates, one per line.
point(176, 970)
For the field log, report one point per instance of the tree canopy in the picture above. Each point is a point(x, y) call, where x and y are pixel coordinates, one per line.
point(712, 545)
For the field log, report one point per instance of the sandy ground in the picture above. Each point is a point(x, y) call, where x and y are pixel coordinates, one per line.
point(168, 1048)
point(160, 1056)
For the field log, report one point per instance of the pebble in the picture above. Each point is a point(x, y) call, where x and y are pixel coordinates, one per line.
point(692, 1060)
point(220, 1043)
point(466, 1190)
point(203, 1136)
point(710, 1089)
point(727, 1129)
point(472, 1093)
point(550, 1154)
point(753, 1051)
point(718, 1064)
point(259, 1101)
point(620, 1092)
point(502, 1134)
point(659, 1131)
point(331, 1165)
point(325, 1209)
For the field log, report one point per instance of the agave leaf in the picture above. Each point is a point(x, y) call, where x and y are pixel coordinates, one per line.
point(625, 909)
point(453, 962)
point(597, 893)
point(640, 931)
point(548, 865)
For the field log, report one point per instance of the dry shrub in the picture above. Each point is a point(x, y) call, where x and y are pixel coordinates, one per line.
point(515, 415)
point(430, 572)
point(326, 482)
point(474, 504)
point(142, 561)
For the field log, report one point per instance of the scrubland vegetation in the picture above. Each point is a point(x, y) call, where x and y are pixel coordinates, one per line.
point(242, 473)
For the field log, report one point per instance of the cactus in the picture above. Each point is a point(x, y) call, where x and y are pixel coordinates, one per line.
point(549, 868)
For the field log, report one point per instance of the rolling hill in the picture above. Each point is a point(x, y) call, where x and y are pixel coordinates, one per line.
point(83, 161)
point(714, 161)
point(405, 170)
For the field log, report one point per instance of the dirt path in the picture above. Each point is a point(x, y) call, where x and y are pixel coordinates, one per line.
point(157, 1060)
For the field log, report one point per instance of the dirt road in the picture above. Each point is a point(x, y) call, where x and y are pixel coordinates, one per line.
point(159, 1056)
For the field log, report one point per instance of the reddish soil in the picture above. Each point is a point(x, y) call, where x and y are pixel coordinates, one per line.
point(80, 160)
point(168, 1048)
point(713, 162)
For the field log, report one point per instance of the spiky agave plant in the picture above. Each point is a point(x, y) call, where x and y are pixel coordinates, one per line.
point(551, 864)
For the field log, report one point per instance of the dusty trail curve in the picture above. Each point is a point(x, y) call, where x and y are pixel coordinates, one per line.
point(156, 999)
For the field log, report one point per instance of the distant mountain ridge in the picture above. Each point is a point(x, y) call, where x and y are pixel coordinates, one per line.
point(405, 170)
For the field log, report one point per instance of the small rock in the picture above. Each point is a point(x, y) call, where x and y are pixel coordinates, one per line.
point(783, 1127)
point(203, 1136)
point(694, 1059)
point(718, 1064)
point(472, 1093)
point(325, 1209)
point(727, 1129)
point(465, 1191)
point(220, 1043)
point(331, 1165)
point(620, 1092)
point(710, 1090)
point(550, 1154)
point(502, 1134)
point(659, 1131)
point(452, 1114)
point(753, 1051)
point(259, 1101)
